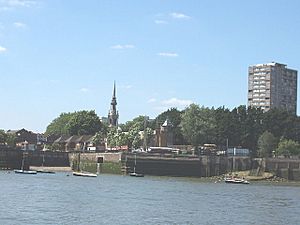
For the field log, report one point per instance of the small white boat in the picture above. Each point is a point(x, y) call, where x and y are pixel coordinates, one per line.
point(25, 171)
point(84, 174)
point(235, 180)
point(134, 174)
point(22, 171)
point(81, 173)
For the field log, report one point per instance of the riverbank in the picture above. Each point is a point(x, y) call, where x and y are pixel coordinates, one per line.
point(52, 169)
point(265, 178)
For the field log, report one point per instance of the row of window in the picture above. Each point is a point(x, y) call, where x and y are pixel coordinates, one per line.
point(259, 95)
point(259, 82)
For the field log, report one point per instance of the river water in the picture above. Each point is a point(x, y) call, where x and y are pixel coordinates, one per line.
point(111, 199)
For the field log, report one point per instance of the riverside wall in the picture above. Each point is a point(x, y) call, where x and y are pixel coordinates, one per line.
point(151, 164)
point(285, 168)
point(107, 162)
point(11, 159)
point(171, 165)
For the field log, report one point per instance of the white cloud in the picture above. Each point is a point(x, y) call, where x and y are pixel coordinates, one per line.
point(127, 46)
point(160, 22)
point(20, 3)
point(2, 49)
point(176, 15)
point(152, 100)
point(20, 25)
point(6, 5)
point(168, 54)
point(175, 102)
point(84, 90)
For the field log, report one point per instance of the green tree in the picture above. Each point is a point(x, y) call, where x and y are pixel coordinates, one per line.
point(266, 144)
point(84, 123)
point(288, 147)
point(3, 137)
point(280, 123)
point(122, 139)
point(132, 130)
point(112, 137)
point(225, 127)
point(174, 115)
point(198, 125)
point(58, 125)
point(11, 140)
point(99, 138)
point(134, 137)
point(252, 128)
point(8, 139)
point(136, 122)
point(149, 136)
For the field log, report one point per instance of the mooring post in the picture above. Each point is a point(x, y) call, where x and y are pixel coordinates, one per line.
point(99, 163)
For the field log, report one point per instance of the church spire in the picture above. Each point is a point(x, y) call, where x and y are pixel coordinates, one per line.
point(114, 98)
point(113, 114)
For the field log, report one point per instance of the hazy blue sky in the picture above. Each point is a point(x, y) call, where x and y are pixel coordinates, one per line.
point(63, 56)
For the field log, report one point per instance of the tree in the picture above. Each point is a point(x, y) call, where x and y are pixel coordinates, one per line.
point(225, 127)
point(280, 123)
point(174, 115)
point(136, 122)
point(11, 140)
point(288, 147)
point(99, 138)
point(58, 125)
point(112, 137)
point(84, 123)
point(3, 137)
point(134, 137)
point(117, 138)
point(266, 144)
point(198, 125)
point(132, 130)
point(252, 128)
point(8, 139)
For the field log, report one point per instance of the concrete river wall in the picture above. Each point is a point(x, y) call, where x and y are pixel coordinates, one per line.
point(170, 165)
point(150, 164)
point(286, 168)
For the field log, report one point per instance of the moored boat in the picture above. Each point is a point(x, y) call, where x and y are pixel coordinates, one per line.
point(22, 171)
point(84, 174)
point(134, 173)
point(235, 180)
point(25, 171)
point(81, 173)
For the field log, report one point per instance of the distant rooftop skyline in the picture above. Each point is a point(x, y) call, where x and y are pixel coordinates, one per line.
point(61, 56)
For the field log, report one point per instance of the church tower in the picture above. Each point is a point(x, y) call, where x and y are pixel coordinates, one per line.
point(113, 114)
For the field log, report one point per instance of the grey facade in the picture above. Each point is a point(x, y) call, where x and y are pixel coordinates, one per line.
point(272, 85)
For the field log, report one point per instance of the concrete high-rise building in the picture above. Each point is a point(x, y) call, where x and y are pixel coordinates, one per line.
point(272, 85)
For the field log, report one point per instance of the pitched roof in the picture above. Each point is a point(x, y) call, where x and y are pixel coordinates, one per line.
point(167, 123)
point(61, 139)
point(84, 138)
point(72, 139)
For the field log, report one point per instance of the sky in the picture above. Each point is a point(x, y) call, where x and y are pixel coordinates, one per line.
point(63, 56)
